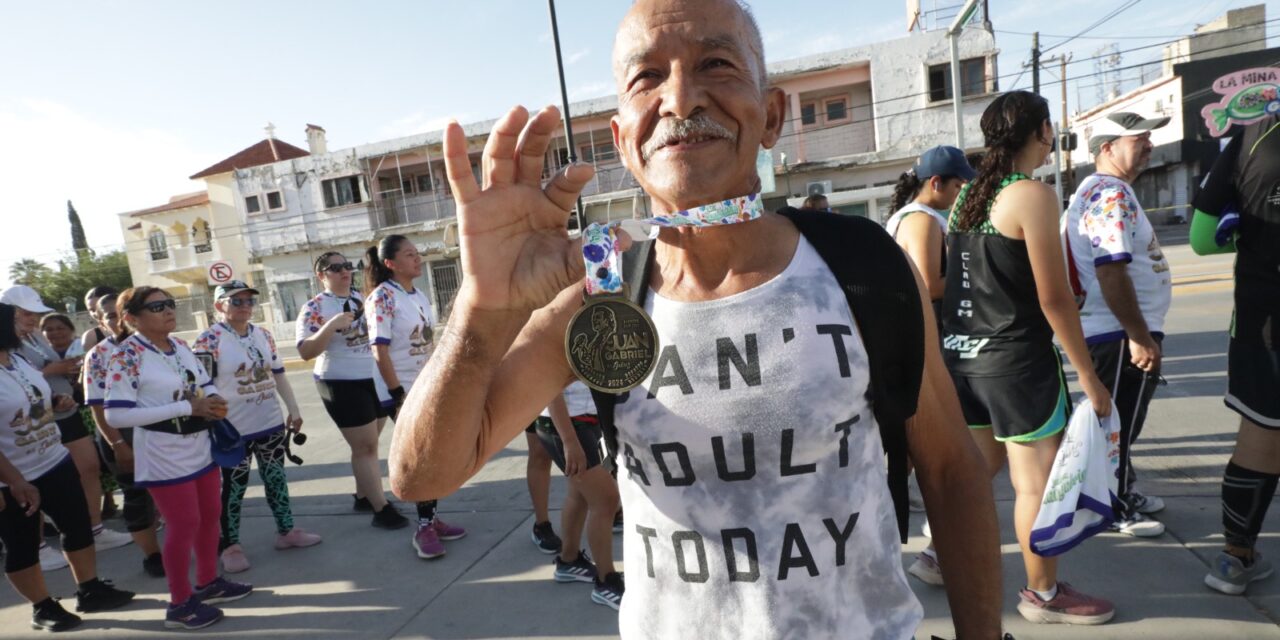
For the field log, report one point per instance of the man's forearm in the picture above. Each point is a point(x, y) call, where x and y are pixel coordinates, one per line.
point(440, 441)
point(1122, 299)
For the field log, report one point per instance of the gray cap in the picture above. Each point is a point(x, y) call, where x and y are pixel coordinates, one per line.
point(1121, 124)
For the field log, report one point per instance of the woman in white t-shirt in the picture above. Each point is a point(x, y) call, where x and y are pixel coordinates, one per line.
point(333, 330)
point(402, 341)
point(156, 386)
point(246, 368)
point(37, 474)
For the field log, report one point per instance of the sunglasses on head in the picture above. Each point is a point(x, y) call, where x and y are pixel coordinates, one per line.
point(339, 267)
point(243, 302)
point(160, 305)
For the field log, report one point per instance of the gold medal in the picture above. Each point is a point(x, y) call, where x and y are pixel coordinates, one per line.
point(611, 344)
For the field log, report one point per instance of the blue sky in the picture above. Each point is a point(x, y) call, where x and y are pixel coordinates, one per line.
point(113, 103)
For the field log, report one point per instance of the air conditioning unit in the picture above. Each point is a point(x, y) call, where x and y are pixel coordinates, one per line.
point(818, 188)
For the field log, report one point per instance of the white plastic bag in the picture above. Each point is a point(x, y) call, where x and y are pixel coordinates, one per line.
point(1082, 484)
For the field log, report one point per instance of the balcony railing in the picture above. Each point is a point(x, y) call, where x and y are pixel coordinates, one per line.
point(160, 255)
point(819, 142)
point(204, 248)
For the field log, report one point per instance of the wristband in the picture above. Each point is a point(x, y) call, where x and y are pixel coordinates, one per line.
point(397, 394)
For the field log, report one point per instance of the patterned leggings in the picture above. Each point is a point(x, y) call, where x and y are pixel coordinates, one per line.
point(269, 450)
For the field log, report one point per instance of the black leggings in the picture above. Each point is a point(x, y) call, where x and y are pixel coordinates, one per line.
point(139, 509)
point(62, 499)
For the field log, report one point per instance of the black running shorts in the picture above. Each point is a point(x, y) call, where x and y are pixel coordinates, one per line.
point(1253, 382)
point(72, 428)
point(1023, 407)
point(351, 403)
point(589, 436)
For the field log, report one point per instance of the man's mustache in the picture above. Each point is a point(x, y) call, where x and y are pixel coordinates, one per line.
point(673, 130)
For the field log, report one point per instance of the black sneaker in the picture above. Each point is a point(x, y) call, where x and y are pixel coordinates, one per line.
point(608, 592)
point(545, 538)
point(154, 565)
point(389, 518)
point(99, 595)
point(50, 616)
point(361, 504)
point(617, 522)
point(580, 570)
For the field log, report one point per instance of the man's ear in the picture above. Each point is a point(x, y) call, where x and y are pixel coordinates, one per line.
point(775, 106)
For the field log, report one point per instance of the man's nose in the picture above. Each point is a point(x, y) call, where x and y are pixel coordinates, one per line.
point(682, 96)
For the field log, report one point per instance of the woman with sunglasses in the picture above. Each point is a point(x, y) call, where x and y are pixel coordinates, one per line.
point(37, 474)
point(402, 342)
point(116, 444)
point(244, 364)
point(156, 385)
point(332, 330)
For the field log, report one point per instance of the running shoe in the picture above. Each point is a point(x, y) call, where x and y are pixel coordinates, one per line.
point(361, 504)
point(153, 565)
point(580, 570)
point(105, 539)
point(927, 570)
point(191, 614)
point(50, 616)
point(100, 595)
point(1229, 575)
point(608, 592)
point(1145, 504)
point(297, 538)
point(234, 560)
point(427, 542)
point(617, 522)
point(545, 538)
point(1068, 607)
point(389, 518)
point(447, 531)
point(222, 590)
point(51, 559)
point(1139, 526)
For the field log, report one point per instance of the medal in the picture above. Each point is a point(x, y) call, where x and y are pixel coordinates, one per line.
point(611, 343)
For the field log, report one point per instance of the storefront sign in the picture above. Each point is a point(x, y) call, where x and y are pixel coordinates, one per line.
point(1247, 96)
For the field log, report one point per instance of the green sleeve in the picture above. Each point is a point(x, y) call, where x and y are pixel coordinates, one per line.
point(1204, 226)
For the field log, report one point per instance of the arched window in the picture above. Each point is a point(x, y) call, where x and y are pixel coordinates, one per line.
point(159, 246)
point(201, 236)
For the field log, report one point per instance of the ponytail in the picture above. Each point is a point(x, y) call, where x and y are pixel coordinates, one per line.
point(906, 190)
point(1011, 122)
point(376, 271)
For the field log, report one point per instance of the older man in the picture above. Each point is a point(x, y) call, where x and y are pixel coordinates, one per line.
point(1127, 289)
point(790, 531)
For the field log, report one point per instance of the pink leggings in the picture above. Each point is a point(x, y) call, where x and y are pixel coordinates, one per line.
point(191, 511)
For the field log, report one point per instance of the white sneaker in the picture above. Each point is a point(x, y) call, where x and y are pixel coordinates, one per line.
point(51, 559)
point(110, 539)
point(1139, 526)
point(926, 530)
point(915, 500)
point(1146, 504)
point(926, 569)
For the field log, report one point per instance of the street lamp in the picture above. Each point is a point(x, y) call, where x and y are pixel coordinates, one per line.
point(953, 34)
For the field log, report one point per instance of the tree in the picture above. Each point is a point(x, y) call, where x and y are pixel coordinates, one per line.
point(74, 277)
point(79, 243)
point(29, 272)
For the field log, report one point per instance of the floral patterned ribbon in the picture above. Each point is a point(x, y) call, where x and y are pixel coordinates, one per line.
point(600, 241)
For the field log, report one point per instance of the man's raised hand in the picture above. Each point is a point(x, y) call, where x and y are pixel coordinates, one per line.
point(515, 246)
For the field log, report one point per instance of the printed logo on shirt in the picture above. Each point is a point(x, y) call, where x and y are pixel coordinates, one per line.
point(420, 340)
point(967, 347)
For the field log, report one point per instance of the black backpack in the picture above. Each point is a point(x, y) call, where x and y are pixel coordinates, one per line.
point(877, 281)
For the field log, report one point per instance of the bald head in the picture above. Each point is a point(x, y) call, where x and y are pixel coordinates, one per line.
point(739, 30)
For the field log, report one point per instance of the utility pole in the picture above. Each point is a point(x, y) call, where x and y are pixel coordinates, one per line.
point(1035, 62)
point(564, 100)
point(957, 91)
point(1067, 176)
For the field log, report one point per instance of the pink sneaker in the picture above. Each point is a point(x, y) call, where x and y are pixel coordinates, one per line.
point(297, 538)
point(447, 531)
point(1068, 607)
point(427, 543)
point(234, 560)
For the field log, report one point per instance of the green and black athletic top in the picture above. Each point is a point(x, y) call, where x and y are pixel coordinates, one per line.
point(992, 323)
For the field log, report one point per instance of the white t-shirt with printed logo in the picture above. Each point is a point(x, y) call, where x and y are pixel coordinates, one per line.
point(752, 473)
point(246, 366)
point(402, 320)
point(578, 400)
point(29, 436)
point(95, 371)
point(348, 356)
point(1104, 224)
point(142, 376)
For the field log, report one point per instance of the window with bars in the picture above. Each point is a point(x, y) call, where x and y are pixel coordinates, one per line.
point(159, 246)
point(446, 279)
point(599, 152)
point(341, 191)
point(973, 79)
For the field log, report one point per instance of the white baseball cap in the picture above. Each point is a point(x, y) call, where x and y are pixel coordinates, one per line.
point(1120, 124)
point(24, 297)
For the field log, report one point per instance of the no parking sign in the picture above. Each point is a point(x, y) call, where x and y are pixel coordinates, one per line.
point(220, 272)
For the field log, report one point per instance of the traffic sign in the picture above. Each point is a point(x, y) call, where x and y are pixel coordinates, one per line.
point(220, 272)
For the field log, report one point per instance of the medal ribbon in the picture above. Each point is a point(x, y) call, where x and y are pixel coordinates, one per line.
point(600, 241)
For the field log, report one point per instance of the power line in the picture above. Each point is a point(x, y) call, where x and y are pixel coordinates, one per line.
point(1129, 4)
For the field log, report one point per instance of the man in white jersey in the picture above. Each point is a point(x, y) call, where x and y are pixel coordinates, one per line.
point(1118, 265)
point(751, 468)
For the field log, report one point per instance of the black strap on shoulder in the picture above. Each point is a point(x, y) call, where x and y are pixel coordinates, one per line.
point(885, 303)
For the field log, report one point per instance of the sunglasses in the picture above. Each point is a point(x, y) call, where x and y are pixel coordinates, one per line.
point(160, 305)
point(339, 267)
point(243, 302)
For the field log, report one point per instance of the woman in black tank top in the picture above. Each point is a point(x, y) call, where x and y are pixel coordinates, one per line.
point(1006, 297)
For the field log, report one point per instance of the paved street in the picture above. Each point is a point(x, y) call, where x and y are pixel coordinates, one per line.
point(367, 583)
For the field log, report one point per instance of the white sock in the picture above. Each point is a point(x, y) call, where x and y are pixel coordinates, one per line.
point(1046, 595)
point(98, 529)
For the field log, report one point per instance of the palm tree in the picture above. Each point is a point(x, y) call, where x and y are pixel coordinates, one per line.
point(29, 272)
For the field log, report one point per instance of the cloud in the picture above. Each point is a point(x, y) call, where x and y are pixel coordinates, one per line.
point(590, 90)
point(576, 56)
point(419, 122)
point(59, 154)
